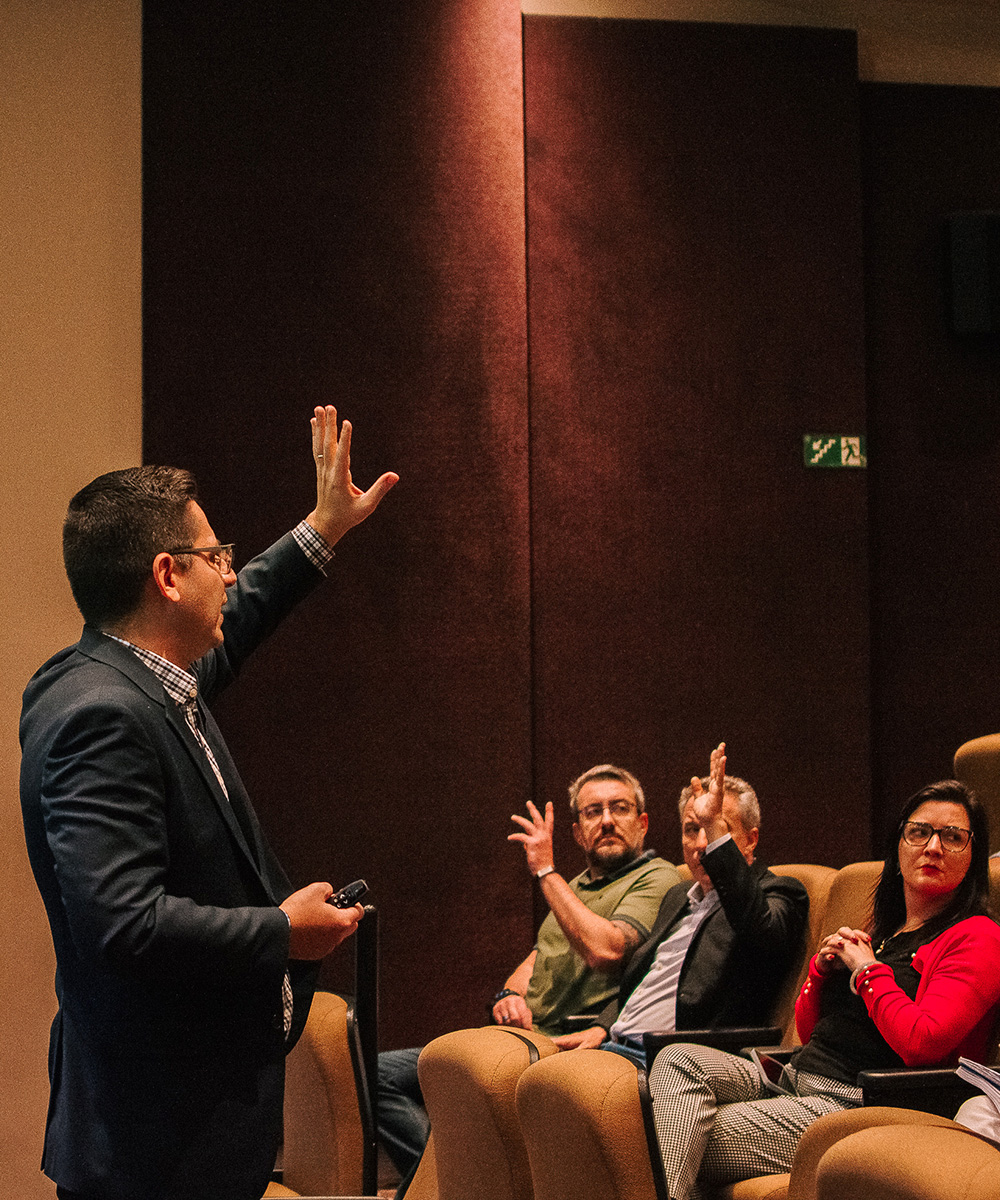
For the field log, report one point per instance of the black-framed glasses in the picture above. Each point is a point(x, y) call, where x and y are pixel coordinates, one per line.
point(220, 557)
point(952, 837)
point(594, 812)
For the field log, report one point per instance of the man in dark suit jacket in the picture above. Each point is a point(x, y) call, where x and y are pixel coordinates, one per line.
point(185, 961)
point(720, 948)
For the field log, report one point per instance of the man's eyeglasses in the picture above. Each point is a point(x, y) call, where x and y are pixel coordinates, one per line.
point(221, 557)
point(952, 837)
point(594, 812)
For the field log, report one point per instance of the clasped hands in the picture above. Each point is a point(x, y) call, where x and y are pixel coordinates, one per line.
point(850, 948)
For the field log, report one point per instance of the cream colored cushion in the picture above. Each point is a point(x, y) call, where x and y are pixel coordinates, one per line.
point(468, 1079)
point(911, 1162)
point(323, 1136)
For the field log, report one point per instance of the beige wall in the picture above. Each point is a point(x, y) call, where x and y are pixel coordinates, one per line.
point(70, 407)
point(899, 41)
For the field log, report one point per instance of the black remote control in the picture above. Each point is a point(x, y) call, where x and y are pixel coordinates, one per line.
point(349, 895)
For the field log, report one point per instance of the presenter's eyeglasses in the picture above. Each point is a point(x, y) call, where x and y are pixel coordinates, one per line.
point(952, 837)
point(594, 812)
point(221, 557)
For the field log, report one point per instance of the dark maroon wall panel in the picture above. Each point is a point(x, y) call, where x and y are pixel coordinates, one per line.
point(334, 213)
point(935, 423)
point(695, 307)
point(611, 549)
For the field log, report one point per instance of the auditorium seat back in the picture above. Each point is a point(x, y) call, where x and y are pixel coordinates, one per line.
point(468, 1079)
point(817, 881)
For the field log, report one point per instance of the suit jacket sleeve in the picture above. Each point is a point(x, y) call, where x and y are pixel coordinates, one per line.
point(742, 954)
point(762, 918)
point(265, 592)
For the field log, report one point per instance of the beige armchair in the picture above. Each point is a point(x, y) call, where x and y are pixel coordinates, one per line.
point(584, 1133)
point(977, 765)
point(324, 1137)
point(468, 1079)
point(910, 1162)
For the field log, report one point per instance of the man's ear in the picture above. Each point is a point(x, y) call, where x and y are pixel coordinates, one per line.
point(644, 822)
point(752, 835)
point(166, 570)
point(577, 833)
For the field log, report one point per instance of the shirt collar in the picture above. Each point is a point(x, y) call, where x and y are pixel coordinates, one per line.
point(698, 898)
point(180, 685)
point(587, 882)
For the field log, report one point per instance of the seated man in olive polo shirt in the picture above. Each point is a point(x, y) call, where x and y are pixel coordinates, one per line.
point(595, 922)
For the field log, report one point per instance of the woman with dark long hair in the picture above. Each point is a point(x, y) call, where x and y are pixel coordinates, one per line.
point(918, 987)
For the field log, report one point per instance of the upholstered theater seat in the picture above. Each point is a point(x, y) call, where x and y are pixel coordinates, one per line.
point(324, 1146)
point(977, 765)
point(910, 1162)
point(580, 1118)
point(817, 881)
point(835, 1127)
point(468, 1079)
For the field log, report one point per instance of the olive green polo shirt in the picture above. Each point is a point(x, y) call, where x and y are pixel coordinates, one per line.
point(562, 984)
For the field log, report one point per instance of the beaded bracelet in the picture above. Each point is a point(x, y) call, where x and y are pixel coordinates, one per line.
point(858, 976)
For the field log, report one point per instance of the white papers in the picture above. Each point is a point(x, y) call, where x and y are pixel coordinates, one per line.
point(984, 1078)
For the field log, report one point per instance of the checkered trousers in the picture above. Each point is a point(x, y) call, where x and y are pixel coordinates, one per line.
point(716, 1123)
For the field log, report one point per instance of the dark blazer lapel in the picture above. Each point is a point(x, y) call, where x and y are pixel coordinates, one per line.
point(96, 645)
point(104, 649)
point(239, 801)
point(177, 721)
point(670, 906)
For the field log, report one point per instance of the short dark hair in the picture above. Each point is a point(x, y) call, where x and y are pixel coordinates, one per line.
point(114, 528)
point(972, 896)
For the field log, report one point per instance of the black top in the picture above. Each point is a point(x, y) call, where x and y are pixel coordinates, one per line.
point(845, 1039)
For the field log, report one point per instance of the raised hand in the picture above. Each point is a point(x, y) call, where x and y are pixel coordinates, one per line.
point(340, 505)
point(536, 836)
point(707, 807)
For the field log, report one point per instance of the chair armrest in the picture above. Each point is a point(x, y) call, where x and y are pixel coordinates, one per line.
point(652, 1142)
point(731, 1039)
point(930, 1089)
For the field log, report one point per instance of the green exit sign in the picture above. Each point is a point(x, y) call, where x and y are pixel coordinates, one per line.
point(834, 450)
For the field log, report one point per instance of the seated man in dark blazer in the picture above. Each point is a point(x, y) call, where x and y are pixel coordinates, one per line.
point(720, 948)
point(185, 961)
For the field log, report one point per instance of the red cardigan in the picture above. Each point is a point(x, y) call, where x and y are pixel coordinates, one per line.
point(954, 1011)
